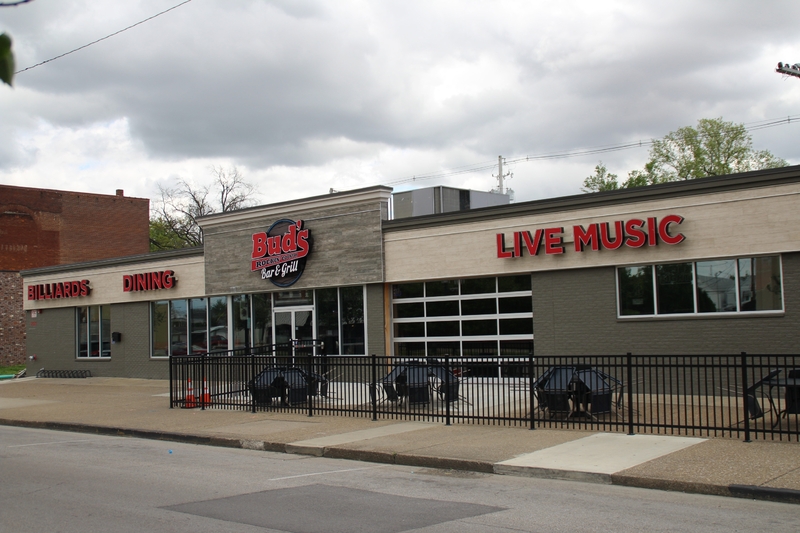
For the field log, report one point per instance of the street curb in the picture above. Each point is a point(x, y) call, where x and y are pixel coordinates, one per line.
point(751, 492)
point(738, 491)
point(765, 493)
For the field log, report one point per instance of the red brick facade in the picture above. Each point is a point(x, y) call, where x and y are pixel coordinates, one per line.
point(40, 227)
point(12, 319)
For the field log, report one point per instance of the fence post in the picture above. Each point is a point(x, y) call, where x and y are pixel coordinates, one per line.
point(630, 394)
point(310, 382)
point(202, 384)
point(447, 391)
point(531, 391)
point(374, 387)
point(171, 395)
point(253, 380)
point(744, 398)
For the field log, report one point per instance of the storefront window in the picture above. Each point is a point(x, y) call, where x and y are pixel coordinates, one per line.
point(478, 285)
point(409, 349)
point(493, 309)
point(262, 319)
point(160, 328)
point(514, 283)
point(412, 310)
point(241, 321)
point(675, 288)
point(760, 284)
point(408, 290)
point(441, 308)
point(479, 307)
point(716, 286)
point(328, 320)
point(94, 331)
point(218, 323)
point(519, 304)
point(199, 325)
point(636, 290)
point(479, 348)
point(722, 286)
point(351, 311)
point(440, 349)
point(409, 329)
point(516, 326)
point(177, 327)
point(519, 348)
point(475, 328)
point(443, 329)
point(294, 298)
point(441, 288)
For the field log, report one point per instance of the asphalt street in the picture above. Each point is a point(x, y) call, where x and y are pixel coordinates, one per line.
point(59, 481)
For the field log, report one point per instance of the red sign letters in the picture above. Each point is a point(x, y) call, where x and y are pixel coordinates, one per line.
point(633, 233)
point(65, 289)
point(149, 281)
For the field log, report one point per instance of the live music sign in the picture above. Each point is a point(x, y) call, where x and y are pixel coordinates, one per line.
point(633, 233)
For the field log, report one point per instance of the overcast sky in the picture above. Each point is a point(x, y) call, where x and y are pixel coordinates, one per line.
point(305, 95)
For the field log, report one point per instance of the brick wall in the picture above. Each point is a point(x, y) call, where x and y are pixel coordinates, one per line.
point(40, 227)
point(12, 320)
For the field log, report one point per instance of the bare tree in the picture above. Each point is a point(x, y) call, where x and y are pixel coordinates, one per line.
point(173, 223)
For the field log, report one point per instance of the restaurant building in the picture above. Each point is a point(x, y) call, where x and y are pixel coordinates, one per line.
point(709, 266)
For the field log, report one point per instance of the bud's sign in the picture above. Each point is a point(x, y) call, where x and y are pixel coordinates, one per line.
point(280, 252)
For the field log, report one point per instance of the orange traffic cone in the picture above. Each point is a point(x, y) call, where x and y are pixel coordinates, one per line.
point(190, 402)
point(206, 395)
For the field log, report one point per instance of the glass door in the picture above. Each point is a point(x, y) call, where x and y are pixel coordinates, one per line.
point(294, 325)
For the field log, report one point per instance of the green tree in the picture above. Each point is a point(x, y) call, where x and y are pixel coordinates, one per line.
point(6, 60)
point(173, 221)
point(600, 181)
point(713, 148)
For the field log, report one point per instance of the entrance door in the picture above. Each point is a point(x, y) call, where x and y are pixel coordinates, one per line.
point(294, 324)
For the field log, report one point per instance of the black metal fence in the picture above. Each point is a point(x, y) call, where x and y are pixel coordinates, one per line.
point(737, 396)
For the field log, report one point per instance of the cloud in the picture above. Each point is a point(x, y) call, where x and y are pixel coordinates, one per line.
point(360, 92)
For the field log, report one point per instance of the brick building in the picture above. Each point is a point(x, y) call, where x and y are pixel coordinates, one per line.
point(41, 228)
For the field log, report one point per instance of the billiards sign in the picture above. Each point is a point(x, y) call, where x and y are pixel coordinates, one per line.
point(280, 252)
point(62, 289)
point(633, 233)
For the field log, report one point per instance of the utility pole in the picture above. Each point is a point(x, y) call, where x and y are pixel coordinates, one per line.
point(793, 70)
point(500, 176)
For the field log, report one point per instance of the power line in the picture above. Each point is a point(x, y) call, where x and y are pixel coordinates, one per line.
point(480, 167)
point(104, 38)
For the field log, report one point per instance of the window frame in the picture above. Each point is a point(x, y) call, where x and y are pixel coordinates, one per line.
point(101, 333)
point(497, 339)
point(697, 313)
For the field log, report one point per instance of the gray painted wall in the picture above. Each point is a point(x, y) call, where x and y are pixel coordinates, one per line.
point(51, 337)
point(575, 314)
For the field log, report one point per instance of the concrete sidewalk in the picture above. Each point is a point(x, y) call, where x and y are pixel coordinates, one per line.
point(140, 408)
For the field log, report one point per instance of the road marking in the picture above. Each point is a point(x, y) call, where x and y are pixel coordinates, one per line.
point(46, 443)
point(328, 472)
